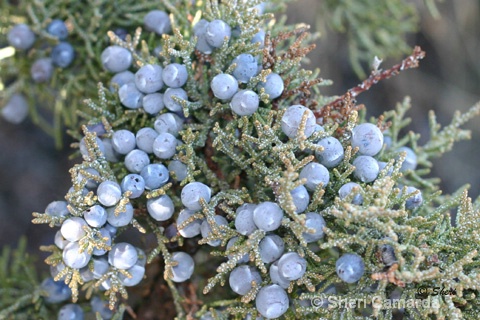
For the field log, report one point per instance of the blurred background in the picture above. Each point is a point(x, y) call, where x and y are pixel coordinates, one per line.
point(33, 172)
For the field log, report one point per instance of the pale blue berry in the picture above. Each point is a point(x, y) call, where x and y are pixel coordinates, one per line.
point(155, 176)
point(240, 279)
point(231, 243)
point(73, 257)
point(130, 96)
point(42, 70)
point(123, 141)
point(300, 198)
point(55, 270)
point(70, 311)
point(153, 103)
point(106, 238)
point(382, 165)
point(347, 189)
point(350, 267)
point(133, 183)
point(224, 86)
point(59, 240)
point(111, 229)
point(101, 306)
point(121, 78)
point(123, 255)
point(199, 31)
point(63, 54)
point(193, 228)
point(148, 78)
point(116, 59)
point(273, 85)
point(366, 168)
point(244, 223)
point(160, 208)
point(157, 21)
point(169, 101)
point(271, 248)
point(175, 75)
point(272, 301)
point(291, 266)
point(95, 216)
point(100, 266)
point(315, 222)
point(245, 103)
point(276, 277)
point(206, 230)
point(193, 192)
point(292, 118)
point(178, 169)
point(57, 28)
point(73, 228)
point(216, 33)
point(55, 291)
point(168, 122)
point(246, 67)
point(16, 109)
point(123, 218)
point(136, 272)
point(315, 174)
point(332, 153)
point(268, 216)
point(109, 193)
point(136, 160)
point(90, 183)
point(165, 145)
point(84, 150)
point(415, 200)
point(259, 38)
point(184, 269)
point(57, 209)
point(144, 139)
point(21, 37)
point(411, 161)
point(368, 138)
point(387, 141)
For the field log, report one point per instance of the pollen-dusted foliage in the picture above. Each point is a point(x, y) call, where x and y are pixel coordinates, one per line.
point(231, 196)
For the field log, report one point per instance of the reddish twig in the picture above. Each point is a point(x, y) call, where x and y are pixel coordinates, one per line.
point(338, 113)
point(412, 61)
point(191, 302)
point(389, 275)
point(295, 51)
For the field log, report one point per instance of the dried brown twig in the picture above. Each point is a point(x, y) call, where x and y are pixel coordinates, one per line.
point(338, 105)
point(389, 275)
point(296, 51)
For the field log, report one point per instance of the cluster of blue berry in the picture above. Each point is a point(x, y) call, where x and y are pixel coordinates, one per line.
point(149, 176)
point(366, 138)
point(298, 122)
point(214, 34)
point(144, 88)
point(86, 240)
point(87, 235)
point(58, 291)
point(22, 38)
point(245, 102)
